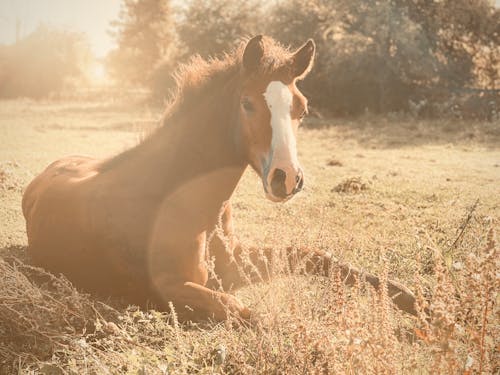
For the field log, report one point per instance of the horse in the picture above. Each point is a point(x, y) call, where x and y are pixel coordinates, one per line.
point(137, 224)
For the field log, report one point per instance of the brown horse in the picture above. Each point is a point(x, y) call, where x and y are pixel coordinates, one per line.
point(136, 225)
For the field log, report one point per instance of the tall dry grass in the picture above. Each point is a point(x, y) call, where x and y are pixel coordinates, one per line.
point(303, 324)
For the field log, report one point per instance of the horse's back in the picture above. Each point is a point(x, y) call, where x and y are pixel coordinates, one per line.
point(52, 206)
point(56, 176)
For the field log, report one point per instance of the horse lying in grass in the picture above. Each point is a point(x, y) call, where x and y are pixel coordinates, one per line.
point(136, 225)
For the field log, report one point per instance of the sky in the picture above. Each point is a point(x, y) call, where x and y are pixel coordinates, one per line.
point(89, 16)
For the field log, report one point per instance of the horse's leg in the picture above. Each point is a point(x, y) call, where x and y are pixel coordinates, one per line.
point(321, 263)
point(237, 267)
point(192, 301)
point(258, 264)
point(177, 274)
point(224, 250)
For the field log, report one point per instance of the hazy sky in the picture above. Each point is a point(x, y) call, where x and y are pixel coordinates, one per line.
point(89, 16)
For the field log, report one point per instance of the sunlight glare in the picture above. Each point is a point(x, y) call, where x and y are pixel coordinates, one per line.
point(98, 74)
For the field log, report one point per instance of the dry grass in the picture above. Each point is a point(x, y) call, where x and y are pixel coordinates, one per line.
point(351, 185)
point(416, 222)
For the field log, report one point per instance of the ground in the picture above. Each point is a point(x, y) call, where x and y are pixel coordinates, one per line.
point(417, 200)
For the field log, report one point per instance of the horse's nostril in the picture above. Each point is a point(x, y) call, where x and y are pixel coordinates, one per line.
point(300, 183)
point(278, 185)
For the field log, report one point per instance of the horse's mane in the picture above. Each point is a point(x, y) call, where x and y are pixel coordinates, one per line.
point(201, 77)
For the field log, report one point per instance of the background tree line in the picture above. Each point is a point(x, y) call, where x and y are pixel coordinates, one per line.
point(426, 57)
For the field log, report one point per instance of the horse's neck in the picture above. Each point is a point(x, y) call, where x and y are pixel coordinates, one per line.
point(194, 147)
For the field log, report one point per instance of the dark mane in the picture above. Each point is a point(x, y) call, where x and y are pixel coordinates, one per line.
point(200, 78)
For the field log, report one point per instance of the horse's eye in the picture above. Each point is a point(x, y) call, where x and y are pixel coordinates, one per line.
point(247, 105)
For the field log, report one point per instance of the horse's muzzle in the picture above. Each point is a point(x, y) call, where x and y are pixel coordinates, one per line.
point(279, 190)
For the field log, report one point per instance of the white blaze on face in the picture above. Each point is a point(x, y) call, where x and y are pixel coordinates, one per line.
point(283, 143)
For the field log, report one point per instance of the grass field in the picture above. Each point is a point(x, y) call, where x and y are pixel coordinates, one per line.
point(417, 201)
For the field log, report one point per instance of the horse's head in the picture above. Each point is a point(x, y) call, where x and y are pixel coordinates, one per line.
point(271, 109)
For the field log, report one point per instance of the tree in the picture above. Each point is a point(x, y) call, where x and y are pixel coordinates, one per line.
point(206, 28)
point(144, 34)
point(383, 55)
point(210, 27)
point(42, 63)
point(456, 30)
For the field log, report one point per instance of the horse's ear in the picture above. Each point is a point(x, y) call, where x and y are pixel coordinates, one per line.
point(253, 53)
point(302, 59)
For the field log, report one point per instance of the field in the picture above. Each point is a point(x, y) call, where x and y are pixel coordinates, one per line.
point(417, 201)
